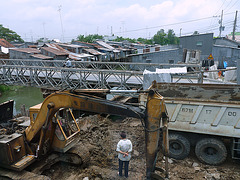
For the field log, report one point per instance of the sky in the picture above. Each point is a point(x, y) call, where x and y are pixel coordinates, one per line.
point(66, 19)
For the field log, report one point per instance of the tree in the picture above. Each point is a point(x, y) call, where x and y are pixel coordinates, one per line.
point(9, 35)
point(120, 39)
point(145, 41)
point(171, 37)
point(89, 38)
point(160, 37)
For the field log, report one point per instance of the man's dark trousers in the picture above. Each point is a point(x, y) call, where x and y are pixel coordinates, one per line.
point(126, 163)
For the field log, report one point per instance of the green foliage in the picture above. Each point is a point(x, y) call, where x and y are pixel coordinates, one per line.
point(4, 88)
point(162, 38)
point(89, 38)
point(42, 40)
point(145, 41)
point(9, 35)
point(120, 39)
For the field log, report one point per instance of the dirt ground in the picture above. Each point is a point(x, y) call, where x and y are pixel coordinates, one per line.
point(100, 135)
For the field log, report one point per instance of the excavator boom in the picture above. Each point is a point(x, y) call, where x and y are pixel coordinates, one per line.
point(47, 132)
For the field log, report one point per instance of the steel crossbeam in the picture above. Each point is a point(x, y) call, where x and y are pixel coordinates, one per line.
point(83, 75)
point(70, 78)
point(125, 66)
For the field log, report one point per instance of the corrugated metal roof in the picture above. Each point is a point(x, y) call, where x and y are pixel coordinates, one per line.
point(93, 52)
point(71, 45)
point(27, 50)
point(55, 51)
point(78, 57)
point(54, 46)
point(91, 44)
point(105, 45)
point(41, 56)
point(105, 49)
point(5, 43)
point(116, 51)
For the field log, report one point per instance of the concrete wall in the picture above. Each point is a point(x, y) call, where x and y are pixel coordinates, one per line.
point(225, 42)
point(202, 42)
point(173, 55)
point(229, 54)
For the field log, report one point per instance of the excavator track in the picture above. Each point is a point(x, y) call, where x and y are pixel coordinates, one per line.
point(6, 174)
point(78, 155)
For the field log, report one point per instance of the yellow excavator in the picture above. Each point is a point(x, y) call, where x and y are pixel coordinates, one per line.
point(48, 132)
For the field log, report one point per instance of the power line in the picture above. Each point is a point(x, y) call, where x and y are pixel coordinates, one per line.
point(183, 22)
point(228, 5)
point(232, 5)
point(220, 7)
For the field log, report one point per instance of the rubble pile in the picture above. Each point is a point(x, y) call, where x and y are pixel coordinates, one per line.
point(101, 135)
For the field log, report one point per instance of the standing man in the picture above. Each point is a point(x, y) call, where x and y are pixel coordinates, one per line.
point(124, 148)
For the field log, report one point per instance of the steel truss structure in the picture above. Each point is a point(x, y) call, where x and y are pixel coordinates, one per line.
point(83, 75)
point(69, 78)
point(124, 66)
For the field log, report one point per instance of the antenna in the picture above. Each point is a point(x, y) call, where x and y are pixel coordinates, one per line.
point(59, 10)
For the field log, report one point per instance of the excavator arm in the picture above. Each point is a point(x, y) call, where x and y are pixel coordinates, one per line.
point(81, 102)
point(43, 128)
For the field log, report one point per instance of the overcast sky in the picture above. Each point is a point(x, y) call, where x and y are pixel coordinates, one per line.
point(58, 19)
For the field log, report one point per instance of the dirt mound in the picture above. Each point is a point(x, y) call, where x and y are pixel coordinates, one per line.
point(100, 135)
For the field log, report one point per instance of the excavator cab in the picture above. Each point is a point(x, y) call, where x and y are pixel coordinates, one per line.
point(63, 124)
point(66, 130)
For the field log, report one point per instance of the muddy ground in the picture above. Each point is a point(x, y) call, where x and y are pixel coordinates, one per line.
point(100, 135)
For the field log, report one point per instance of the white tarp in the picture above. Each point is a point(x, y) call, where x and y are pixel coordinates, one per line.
point(149, 77)
point(230, 75)
point(213, 75)
point(182, 70)
point(161, 75)
point(4, 50)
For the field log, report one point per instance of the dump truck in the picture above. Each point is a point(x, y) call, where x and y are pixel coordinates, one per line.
point(204, 118)
point(50, 132)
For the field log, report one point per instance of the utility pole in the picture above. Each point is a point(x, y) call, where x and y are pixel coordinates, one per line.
point(180, 32)
point(234, 26)
point(221, 28)
point(59, 9)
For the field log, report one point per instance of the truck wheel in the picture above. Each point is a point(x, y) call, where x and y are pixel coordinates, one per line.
point(179, 146)
point(211, 151)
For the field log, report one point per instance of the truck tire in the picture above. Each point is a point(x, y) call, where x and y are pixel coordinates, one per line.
point(211, 151)
point(179, 146)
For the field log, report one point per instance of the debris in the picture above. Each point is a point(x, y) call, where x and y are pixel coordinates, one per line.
point(216, 176)
point(100, 136)
point(197, 169)
point(170, 161)
point(195, 164)
point(136, 153)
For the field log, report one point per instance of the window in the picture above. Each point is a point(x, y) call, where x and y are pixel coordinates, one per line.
point(199, 43)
